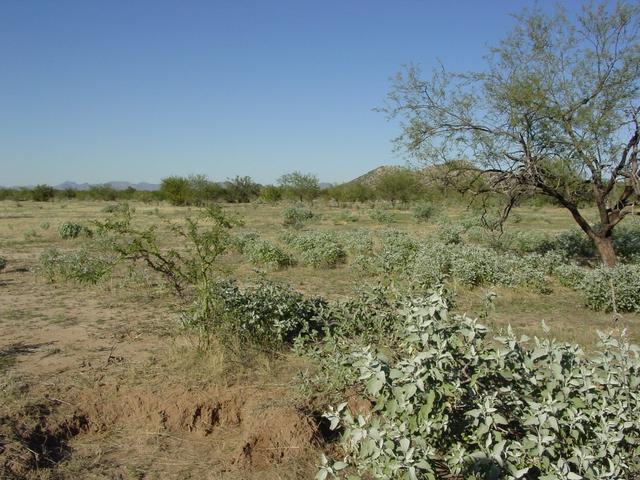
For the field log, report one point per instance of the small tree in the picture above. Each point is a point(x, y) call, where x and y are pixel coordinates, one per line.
point(398, 184)
point(176, 189)
point(555, 112)
point(300, 186)
point(241, 190)
point(271, 193)
point(42, 193)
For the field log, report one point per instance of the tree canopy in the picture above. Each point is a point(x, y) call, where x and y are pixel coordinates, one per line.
point(555, 112)
point(300, 186)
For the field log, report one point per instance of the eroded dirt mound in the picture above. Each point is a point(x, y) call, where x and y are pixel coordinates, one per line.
point(274, 436)
point(239, 430)
point(36, 438)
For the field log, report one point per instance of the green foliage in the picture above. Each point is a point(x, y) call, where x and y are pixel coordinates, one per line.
point(397, 252)
point(382, 216)
point(626, 240)
point(78, 265)
point(265, 253)
point(116, 207)
point(317, 249)
point(271, 194)
point(3, 263)
point(68, 230)
point(612, 289)
point(424, 211)
point(299, 186)
point(45, 225)
point(569, 275)
point(450, 233)
point(241, 190)
point(547, 102)
point(357, 242)
point(398, 184)
point(296, 217)
point(574, 244)
point(268, 315)
point(451, 401)
point(42, 193)
point(190, 269)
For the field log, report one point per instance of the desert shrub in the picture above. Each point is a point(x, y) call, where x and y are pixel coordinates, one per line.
point(474, 265)
point(347, 217)
point(116, 207)
point(242, 240)
point(296, 217)
point(30, 234)
point(45, 225)
point(612, 289)
point(397, 252)
point(78, 265)
point(454, 402)
point(529, 242)
point(569, 275)
point(317, 249)
point(626, 240)
point(450, 233)
point(382, 216)
point(424, 211)
point(264, 252)
point(68, 230)
point(190, 270)
point(357, 242)
point(574, 244)
point(3, 263)
point(267, 315)
point(432, 264)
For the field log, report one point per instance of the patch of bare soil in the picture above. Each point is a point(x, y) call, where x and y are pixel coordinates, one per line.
point(234, 432)
point(101, 397)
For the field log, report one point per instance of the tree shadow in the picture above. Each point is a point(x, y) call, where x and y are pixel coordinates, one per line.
point(9, 354)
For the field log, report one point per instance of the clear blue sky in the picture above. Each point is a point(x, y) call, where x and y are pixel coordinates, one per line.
point(94, 91)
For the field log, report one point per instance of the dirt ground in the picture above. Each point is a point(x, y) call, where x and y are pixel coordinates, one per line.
point(93, 384)
point(98, 382)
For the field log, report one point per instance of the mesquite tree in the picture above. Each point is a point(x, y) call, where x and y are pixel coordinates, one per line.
point(555, 112)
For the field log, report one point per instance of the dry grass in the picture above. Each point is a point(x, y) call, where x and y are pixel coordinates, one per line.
point(63, 341)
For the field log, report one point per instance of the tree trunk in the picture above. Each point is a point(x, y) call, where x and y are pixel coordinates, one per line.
point(605, 249)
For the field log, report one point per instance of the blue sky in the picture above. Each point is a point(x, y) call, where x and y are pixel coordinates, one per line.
point(138, 90)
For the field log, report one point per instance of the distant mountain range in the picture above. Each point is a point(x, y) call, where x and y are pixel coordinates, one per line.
point(367, 178)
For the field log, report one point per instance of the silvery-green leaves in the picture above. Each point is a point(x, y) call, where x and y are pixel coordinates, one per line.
point(450, 398)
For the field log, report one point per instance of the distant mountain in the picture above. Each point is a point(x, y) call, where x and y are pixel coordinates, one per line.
point(143, 186)
point(372, 176)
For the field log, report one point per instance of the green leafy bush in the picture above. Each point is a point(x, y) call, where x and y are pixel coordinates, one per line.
point(317, 249)
point(450, 233)
point(382, 216)
point(3, 263)
point(357, 242)
point(78, 265)
point(626, 240)
point(529, 242)
point(264, 252)
point(68, 230)
point(116, 207)
point(267, 315)
point(574, 244)
point(453, 402)
point(424, 211)
point(569, 275)
point(610, 289)
point(397, 252)
point(296, 217)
